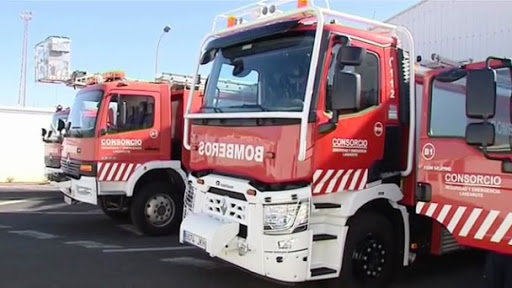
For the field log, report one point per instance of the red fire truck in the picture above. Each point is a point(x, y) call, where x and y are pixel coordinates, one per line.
point(346, 159)
point(122, 149)
point(52, 140)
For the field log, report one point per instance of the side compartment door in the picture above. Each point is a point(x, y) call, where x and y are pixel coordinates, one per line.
point(461, 189)
point(130, 136)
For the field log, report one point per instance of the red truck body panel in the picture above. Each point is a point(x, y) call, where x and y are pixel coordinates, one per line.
point(117, 155)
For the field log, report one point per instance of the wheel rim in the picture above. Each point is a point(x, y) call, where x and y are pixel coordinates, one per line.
point(160, 210)
point(369, 259)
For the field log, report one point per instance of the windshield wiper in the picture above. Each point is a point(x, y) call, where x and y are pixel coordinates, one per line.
point(250, 106)
point(215, 109)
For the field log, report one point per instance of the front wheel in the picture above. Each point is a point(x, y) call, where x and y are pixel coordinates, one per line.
point(118, 215)
point(157, 208)
point(370, 253)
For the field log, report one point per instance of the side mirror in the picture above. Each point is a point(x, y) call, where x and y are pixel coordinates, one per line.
point(481, 94)
point(68, 125)
point(60, 125)
point(350, 55)
point(480, 134)
point(346, 92)
point(43, 132)
point(208, 56)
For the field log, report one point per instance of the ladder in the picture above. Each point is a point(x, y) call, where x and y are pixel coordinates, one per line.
point(438, 61)
point(80, 79)
point(180, 80)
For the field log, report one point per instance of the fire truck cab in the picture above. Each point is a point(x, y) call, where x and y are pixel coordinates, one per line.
point(52, 140)
point(346, 158)
point(122, 148)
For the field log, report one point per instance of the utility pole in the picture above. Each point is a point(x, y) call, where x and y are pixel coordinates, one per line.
point(26, 17)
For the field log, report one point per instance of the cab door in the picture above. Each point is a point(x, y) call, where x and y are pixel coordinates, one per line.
point(358, 139)
point(459, 187)
point(130, 134)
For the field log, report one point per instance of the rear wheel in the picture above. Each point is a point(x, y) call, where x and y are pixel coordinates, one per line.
point(157, 208)
point(370, 253)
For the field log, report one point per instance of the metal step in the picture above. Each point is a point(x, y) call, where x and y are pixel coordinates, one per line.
point(324, 237)
point(321, 271)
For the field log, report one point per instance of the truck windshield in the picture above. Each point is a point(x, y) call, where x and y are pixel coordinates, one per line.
point(83, 113)
point(268, 74)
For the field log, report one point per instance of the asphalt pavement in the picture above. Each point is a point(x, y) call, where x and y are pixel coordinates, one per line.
point(47, 243)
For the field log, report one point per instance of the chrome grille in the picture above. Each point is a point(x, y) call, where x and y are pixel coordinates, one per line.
point(72, 168)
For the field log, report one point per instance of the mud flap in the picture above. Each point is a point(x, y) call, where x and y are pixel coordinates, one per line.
point(207, 233)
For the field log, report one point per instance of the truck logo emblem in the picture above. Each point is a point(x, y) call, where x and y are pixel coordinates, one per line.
point(378, 129)
point(153, 134)
point(223, 206)
point(428, 151)
point(68, 160)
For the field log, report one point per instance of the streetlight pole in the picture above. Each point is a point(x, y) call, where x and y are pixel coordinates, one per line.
point(166, 30)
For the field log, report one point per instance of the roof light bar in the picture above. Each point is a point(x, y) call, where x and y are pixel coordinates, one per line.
point(261, 9)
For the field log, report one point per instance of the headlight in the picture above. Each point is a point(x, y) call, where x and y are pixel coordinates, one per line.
point(285, 218)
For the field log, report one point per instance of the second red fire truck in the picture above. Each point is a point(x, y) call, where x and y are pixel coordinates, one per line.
point(122, 148)
point(343, 158)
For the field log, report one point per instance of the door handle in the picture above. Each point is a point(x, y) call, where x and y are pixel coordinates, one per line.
point(151, 148)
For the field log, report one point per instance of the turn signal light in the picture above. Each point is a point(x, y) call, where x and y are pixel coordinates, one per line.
point(302, 3)
point(200, 181)
point(251, 192)
point(232, 21)
point(85, 168)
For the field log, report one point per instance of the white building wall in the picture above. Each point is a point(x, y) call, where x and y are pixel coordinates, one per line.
point(459, 30)
point(21, 148)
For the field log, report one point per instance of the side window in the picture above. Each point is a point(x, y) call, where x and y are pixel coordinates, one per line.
point(448, 104)
point(130, 113)
point(370, 78)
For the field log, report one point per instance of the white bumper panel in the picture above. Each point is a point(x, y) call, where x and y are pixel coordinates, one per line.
point(215, 221)
point(49, 171)
point(218, 238)
point(83, 190)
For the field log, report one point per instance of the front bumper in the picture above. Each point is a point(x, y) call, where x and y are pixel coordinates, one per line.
point(240, 239)
point(81, 190)
point(52, 174)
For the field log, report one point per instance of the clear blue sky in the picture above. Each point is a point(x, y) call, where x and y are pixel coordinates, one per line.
point(123, 35)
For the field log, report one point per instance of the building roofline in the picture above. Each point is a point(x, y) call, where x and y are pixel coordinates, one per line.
point(405, 11)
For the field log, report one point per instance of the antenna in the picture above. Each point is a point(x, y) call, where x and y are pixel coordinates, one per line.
point(26, 17)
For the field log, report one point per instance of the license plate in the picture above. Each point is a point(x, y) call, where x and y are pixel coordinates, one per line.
point(195, 240)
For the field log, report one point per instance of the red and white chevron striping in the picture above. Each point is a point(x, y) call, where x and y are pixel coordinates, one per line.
point(332, 180)
point(474, 223)
point(112, 171)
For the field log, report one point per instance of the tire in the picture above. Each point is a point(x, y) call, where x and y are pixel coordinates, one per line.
point(166, 206)
point(115, 215)
point(498, 270)
point(369, 258)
